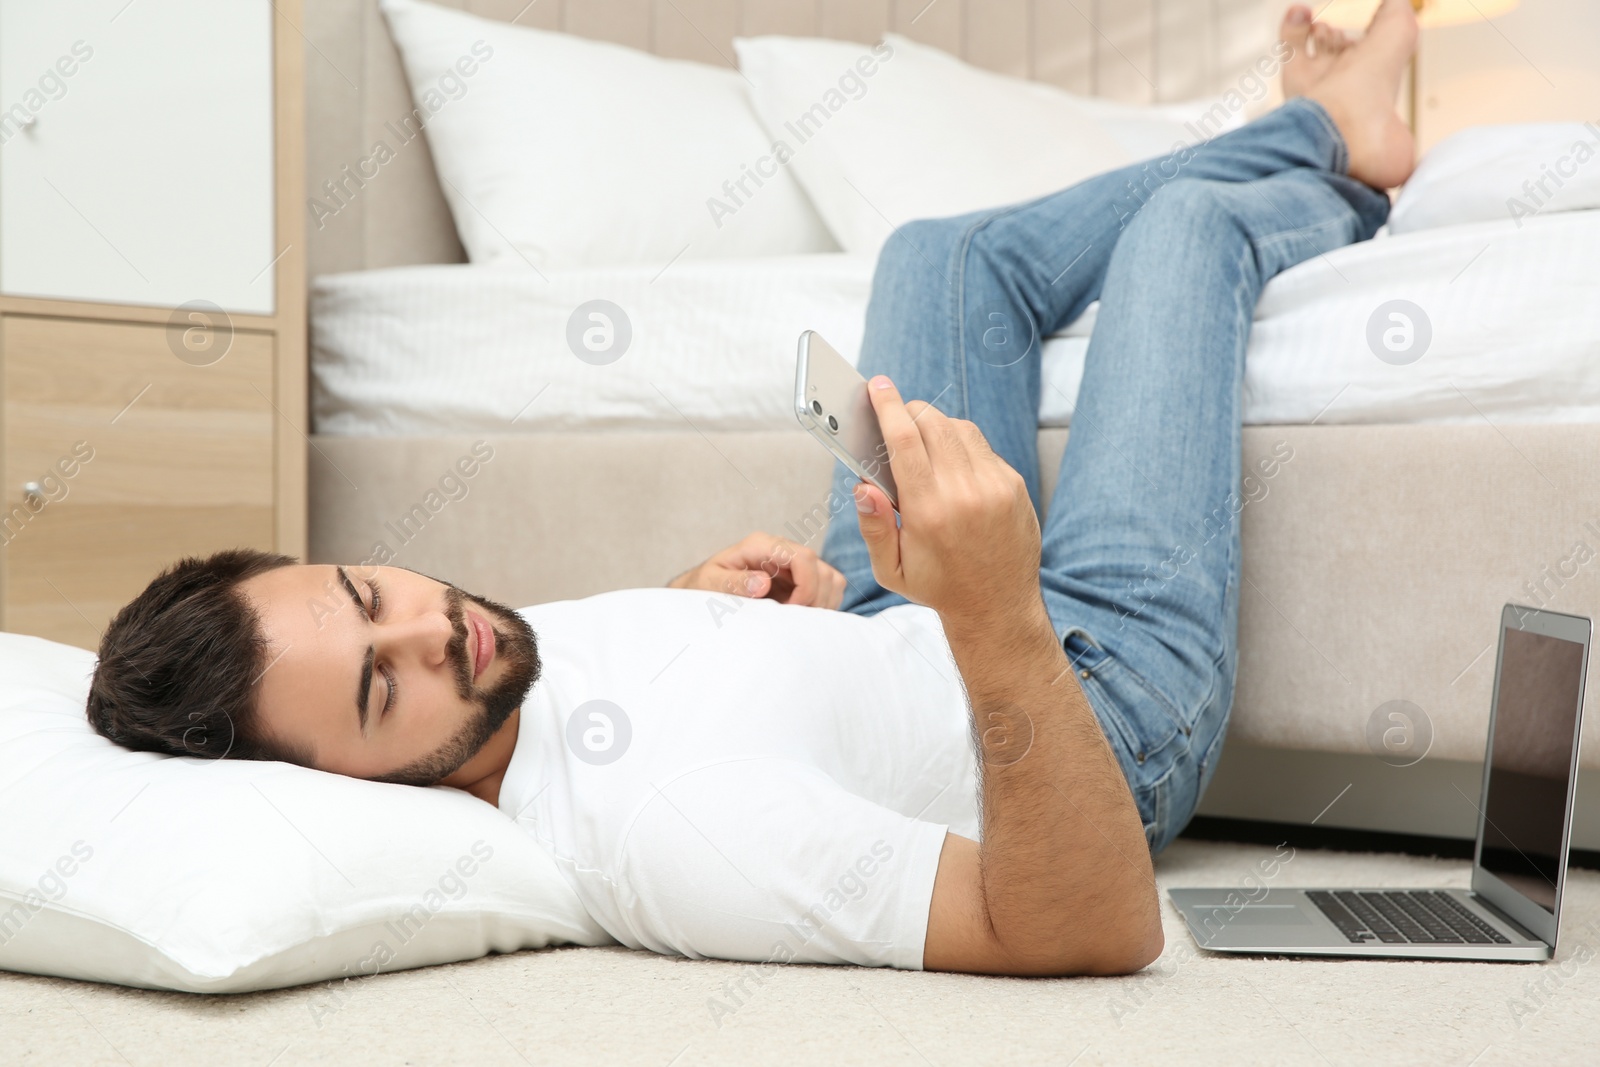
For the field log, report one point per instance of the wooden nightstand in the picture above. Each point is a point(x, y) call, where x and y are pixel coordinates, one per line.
point(152, 298)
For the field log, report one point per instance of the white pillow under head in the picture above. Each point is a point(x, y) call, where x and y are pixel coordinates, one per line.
point(1514, 171)
point(225, 876)
point(560, 151)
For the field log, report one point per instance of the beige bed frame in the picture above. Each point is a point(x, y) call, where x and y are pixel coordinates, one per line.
point(1374, 566)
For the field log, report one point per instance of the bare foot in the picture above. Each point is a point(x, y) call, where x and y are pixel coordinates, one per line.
point(1358, 82)
point(1313, 48)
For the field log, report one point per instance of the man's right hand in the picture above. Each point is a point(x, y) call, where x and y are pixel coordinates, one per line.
point(967, 543)
point(1060, 880)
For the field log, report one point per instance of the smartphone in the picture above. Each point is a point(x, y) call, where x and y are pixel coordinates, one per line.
point(830, 400)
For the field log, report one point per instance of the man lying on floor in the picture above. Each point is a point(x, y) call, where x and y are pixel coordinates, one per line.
point(971, 781)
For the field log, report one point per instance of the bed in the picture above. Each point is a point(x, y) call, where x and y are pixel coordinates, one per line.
point(1421, 495)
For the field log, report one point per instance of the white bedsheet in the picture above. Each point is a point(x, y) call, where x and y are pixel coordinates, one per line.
point(1514, 315)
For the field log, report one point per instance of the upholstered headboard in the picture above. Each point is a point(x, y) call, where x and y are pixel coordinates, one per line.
point(1139, 51)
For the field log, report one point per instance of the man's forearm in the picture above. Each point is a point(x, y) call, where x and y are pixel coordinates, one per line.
point(1066, 870)
point(1061, 882)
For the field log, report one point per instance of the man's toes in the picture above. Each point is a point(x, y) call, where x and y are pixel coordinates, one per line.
point(1296, 26)
point(1325, 40)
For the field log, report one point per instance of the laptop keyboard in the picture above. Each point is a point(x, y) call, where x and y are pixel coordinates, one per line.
point(1423, 917)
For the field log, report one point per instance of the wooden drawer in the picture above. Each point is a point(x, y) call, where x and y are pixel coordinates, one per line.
point(139, 458)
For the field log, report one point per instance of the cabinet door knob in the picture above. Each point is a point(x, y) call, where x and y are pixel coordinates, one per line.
point(32, 492)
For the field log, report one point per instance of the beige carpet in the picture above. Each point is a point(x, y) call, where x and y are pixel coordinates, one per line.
point(612, 1006)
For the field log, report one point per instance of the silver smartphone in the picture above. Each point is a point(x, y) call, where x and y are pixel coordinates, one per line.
point(830, 400)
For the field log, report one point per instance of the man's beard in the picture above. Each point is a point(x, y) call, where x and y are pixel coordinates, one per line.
point(516, 647)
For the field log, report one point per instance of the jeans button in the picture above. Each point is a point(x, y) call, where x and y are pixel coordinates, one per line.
point(1139, 756)
point(1083, 674)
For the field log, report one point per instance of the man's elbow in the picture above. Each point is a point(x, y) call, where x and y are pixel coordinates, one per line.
point(1130, 954)
point(1122, 951)
point(1123, 939)
point(1119, 951)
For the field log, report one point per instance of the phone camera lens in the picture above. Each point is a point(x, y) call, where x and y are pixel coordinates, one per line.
point(816, 407)
point(833, 424)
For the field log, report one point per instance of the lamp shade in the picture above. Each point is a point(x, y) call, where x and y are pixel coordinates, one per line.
point(1355, 14)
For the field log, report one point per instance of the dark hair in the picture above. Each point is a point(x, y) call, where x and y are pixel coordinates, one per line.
point(178, 664)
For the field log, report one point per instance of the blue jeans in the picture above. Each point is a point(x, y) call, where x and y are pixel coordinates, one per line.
point(1140, 559)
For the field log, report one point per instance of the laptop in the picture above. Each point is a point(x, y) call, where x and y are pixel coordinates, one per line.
point(1524, 830)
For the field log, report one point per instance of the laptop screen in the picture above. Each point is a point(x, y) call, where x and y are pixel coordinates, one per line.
point(1530, 762)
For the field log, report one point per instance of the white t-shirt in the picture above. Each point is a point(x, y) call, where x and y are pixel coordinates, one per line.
point(743, 779)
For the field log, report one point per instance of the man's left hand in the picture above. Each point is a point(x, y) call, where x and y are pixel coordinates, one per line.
point(766, 566)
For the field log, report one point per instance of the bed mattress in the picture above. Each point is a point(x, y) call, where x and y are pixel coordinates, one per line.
point(1504, 321)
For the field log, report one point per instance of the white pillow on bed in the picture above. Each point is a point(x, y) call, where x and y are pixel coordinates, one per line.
point(226, 876)
point(883, 134)
point(1147, 130)
point(1513, 171)
point(566, 152)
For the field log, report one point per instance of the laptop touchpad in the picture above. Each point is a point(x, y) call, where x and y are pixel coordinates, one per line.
point(1261, 915)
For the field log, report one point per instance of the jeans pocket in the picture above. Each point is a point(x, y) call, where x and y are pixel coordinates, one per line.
point(1149, 721)
point(1138, 721)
